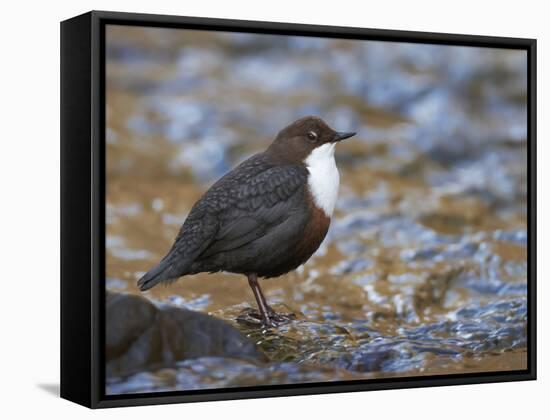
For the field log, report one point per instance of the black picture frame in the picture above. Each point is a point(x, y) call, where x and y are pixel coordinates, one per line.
point(83, 207)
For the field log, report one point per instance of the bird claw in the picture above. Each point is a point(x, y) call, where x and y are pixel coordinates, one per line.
point(280, 317)
point(273, 319)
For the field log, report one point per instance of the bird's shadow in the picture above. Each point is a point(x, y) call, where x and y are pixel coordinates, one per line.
point(52, 389)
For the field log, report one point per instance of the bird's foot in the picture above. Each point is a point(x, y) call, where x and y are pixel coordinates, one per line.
point(272, 319)
point(280, 317)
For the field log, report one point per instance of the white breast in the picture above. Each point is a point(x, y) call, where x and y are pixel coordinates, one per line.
point(324, 178)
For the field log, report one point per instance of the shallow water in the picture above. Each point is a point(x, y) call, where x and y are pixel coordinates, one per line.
point(424, 268)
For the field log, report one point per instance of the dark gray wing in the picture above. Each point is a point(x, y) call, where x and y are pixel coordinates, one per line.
point(258, 205)
point(239, 208)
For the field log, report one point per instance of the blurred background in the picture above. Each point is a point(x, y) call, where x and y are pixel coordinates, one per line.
point(424, 267)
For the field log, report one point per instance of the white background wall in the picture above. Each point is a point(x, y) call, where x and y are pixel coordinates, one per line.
point(29, 231)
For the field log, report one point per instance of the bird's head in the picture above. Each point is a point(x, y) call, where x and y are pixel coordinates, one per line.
point(296, 142)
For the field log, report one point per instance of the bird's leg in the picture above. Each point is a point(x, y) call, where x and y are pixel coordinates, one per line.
point(260, 299)
point(274, 315)
point(268, 315)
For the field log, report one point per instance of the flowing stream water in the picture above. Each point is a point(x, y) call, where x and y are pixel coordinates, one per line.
point(424, 268)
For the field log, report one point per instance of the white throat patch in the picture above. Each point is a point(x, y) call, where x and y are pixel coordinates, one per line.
point(323, 179)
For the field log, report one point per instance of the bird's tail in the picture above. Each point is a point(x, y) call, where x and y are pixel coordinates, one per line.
point(163, 272)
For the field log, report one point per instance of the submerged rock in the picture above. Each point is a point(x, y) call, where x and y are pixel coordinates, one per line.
point(141, 336)
point(217, 372)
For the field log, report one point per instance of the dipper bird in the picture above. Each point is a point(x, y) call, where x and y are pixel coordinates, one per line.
point(264, 218)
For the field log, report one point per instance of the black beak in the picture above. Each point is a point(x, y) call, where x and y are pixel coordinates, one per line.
point(341, 135)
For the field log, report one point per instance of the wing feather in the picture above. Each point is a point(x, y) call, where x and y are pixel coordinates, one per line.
point(241, 207)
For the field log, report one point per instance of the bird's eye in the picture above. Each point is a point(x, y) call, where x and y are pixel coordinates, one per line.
point(312, 135)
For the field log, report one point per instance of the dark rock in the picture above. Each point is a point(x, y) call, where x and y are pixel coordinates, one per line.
point(127, 318)
point(141, 336)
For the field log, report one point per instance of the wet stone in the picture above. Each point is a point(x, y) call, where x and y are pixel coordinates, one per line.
point(140, 335)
